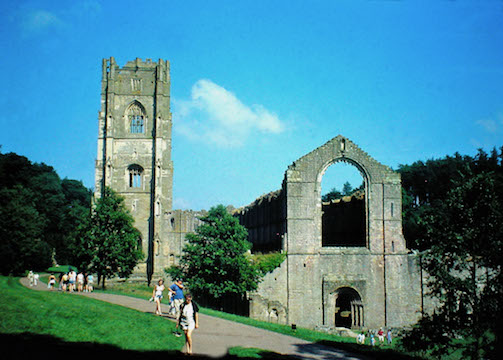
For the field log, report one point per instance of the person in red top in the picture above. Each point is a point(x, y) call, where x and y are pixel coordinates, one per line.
point(380, 334)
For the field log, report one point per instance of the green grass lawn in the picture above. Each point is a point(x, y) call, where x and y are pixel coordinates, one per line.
point(59, 319)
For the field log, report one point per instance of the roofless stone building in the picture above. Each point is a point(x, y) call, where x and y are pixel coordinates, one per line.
point(346, 262)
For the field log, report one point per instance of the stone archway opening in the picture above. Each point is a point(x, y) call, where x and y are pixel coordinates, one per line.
point(348, 308)
point(343, 206)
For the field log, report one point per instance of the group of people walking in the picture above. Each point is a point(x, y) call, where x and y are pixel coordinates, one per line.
point(181, 307)
point(71, 281)
point(372, 334)
point(33, 278)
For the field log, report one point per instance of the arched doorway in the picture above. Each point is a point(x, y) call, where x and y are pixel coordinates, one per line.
point(348, 308)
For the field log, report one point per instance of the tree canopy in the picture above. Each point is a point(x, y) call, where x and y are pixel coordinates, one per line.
point(347, 190)
point(453, 214)
point(37, 214)
point(215, 262)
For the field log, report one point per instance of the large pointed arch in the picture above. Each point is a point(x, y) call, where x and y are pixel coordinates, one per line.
point(302, 184)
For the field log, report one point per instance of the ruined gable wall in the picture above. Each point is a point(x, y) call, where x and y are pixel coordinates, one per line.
point(381, 271)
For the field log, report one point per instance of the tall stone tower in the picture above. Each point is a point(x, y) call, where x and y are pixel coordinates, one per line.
point(134, 148)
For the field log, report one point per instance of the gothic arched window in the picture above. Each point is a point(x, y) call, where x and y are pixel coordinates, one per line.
point(136, 118)
point(135, 176)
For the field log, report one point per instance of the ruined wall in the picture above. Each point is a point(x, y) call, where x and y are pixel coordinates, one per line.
point(178, 223)
point(381, 271)
point(269, 302)
point(343, 221)
point(265, 222)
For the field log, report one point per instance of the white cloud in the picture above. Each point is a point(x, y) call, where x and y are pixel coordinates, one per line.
point(488, 124)
point(37, 20)
point(215, 115)
point(491, 125)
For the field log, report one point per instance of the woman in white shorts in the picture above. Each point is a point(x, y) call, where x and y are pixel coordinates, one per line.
point(157, 295)
point(188, 320)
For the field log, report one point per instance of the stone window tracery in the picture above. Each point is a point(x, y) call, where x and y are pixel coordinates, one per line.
point(136, 117)
point(135, 176)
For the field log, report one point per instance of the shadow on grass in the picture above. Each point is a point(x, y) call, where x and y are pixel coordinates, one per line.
point(367, 351)
point(37, 346)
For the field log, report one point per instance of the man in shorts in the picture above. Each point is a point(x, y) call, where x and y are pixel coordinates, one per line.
point(176, 291)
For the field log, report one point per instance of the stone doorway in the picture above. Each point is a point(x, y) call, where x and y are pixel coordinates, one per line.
point(348, 308)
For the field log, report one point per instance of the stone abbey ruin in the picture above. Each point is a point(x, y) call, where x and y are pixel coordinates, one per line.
point(346, 261)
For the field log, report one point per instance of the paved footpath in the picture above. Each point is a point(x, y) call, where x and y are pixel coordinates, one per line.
point(214, 335)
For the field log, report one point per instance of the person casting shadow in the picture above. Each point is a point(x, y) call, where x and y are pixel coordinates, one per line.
point(188, 320)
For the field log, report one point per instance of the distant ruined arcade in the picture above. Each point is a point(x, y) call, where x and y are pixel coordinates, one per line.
point(346, 261)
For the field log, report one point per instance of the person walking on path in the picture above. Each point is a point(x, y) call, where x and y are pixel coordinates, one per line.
point(177, 295)
point(188, 320)
point(64, 282)
point(157, 295)
point(52, 282)
point(72, 279)
point(80, 282)
point(89, 283)
point(30, 277)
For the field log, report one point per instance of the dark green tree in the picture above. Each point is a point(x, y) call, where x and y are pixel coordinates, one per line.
point(463, 240)
point(347, 189)
point(215, 263)
point(77, 204)
point(107, 242)
point(21, 233)
point(39, 228)
point(331, 195)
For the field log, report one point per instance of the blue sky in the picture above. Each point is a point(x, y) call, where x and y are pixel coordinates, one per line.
point(258, 84)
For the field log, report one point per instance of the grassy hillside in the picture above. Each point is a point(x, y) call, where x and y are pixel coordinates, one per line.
point(58, 321)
